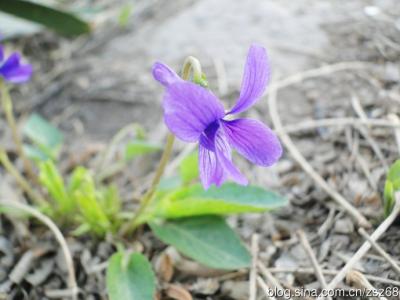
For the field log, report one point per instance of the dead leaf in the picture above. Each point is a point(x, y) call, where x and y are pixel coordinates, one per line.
point(165, 267)
point(177, 292)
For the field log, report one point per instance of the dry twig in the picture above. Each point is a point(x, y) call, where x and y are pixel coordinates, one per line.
point(253, 271)
point(313, 124)
point(395, 119)
point(318, 271)
point(379, 249)
point(358, 280)
point(287, 141)
point(332, 273)
point(72, 285)
point(271, 279)
point(366, 246)
point(265, 288)
point(318, 72)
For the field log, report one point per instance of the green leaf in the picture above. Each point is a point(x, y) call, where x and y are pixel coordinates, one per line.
point(227, 199)
point(207, 239)
point(189, 168)
point(167, 184)
point(84, 192)
point(35, 154)
point(124, 15)
point(394, 171)
point(392, 185)
point(388, 197)
point(44, 135)
point(109, 200)
point(81, 230)
point(58, 20)
point(130, 278)
point(52, 180)
point(139, 147)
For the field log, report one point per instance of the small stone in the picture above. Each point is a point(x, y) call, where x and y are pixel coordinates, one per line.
point(344, 226)
point(205, 286)
point(236, 289)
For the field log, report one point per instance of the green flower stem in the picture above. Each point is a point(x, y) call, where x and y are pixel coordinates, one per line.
point(191, 65)
point(148, 196)
point(7, 105)
point(25, 186)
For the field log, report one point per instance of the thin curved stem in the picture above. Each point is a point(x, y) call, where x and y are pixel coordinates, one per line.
point(72, 284)
point(7, 105)
point(191, 64)
point(148, 196)
point(22, 182)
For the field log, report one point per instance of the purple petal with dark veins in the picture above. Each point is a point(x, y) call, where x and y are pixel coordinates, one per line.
point(211, 171)
point(189, 109)
point(255, 79)
point(215, 162)
point(164, 74)
point(253, 140)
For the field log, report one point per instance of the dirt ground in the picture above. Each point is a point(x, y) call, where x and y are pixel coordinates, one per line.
point(93, 86)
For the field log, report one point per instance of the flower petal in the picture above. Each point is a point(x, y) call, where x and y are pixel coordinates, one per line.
point(1, 53)
point(224, 156)
point(255, 79)
point(211, 171)
point(18, 75)
point(164, 74)
point(215, 162)
point(253, 140)
point(13, 71)
point(189, 109)
point(230, 169)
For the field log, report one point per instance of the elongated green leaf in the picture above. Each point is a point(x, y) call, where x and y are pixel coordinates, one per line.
point(189, 168)
point(130, 278)
point(52, 180)
point(394, 171)
point(228, 199)
point(58, 20)
point(392, 185)
point(84, 193)
point(207, 239)
point(388, 196)
point(47, 138)
point(139, 147)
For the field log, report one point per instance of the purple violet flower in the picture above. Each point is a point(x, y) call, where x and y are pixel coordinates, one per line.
point(11, 68)
point(193, 114)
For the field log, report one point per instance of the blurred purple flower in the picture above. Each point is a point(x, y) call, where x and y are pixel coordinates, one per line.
point(194, 114)
point(11, 68)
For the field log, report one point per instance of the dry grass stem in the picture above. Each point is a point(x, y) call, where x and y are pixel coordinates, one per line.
point(366, 245)
point(253, 271)
point(358, 280)
point(72, 284)
point(287, 141)
point(272, 281)
point(379, 249)
point(317, 268)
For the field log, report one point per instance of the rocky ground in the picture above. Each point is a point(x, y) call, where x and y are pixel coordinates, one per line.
point(93, 86)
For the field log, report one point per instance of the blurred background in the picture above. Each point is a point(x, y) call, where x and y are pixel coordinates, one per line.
point(92, 84)
point(105, 74)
